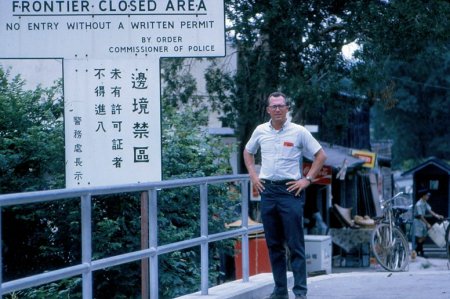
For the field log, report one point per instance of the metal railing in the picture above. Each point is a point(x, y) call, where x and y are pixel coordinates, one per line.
point(86, 267)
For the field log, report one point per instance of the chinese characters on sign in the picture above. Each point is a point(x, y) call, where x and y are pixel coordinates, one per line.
point(120, 122)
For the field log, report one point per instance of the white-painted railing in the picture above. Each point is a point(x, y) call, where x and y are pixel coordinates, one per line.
point(87, 265)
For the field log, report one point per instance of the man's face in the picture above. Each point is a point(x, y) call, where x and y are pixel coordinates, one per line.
point(277, 108)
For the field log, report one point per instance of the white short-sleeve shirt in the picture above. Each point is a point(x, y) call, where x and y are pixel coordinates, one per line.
point(281, 150)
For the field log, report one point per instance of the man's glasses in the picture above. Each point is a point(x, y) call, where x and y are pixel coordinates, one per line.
point(275, 107)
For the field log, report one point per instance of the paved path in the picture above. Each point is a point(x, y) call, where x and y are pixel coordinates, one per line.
point(365, 285)
point(426, 278)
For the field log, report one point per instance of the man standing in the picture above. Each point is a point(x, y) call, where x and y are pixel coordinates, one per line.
point(281, 186)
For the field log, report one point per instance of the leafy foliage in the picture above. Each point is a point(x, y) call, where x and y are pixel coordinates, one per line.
point(67, 288)
point(403, 68)
point(402, 65)
point(28, 120)
point(294, 47)
point(32, 158)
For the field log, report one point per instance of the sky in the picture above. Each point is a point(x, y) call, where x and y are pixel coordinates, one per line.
point(348, 49)
point(34, 71)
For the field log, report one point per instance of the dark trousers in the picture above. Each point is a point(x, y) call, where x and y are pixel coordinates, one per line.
point(282, 217)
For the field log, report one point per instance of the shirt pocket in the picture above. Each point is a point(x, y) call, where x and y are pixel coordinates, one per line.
point(288, 149)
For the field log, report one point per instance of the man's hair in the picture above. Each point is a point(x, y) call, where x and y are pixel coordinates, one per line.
point(277, 94)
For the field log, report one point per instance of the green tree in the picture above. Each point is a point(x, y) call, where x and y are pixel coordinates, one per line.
point(32, 158)
point(403, 67)
point(28, 121)
point(293, 46)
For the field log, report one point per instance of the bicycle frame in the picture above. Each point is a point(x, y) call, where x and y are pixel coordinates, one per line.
point(389, 217)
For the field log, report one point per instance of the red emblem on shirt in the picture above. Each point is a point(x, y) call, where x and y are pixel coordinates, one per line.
point(287, 143)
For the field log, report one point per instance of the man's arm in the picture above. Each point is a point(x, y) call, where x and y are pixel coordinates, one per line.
point(249, 160)
point(298, 186)
point(436, 215)
point(319, 160)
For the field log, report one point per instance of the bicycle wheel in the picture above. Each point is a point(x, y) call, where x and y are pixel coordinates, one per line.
point(390, 248)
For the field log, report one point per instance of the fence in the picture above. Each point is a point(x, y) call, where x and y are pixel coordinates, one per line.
point(86, 267)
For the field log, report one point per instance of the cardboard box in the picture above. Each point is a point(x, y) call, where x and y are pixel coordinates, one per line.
point(318, 253)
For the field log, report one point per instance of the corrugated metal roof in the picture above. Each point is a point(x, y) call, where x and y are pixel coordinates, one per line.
point(337, 155)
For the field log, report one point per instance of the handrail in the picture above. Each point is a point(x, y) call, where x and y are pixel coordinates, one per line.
point(87, 265)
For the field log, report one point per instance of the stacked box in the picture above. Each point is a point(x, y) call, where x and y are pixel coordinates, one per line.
point(318, 253)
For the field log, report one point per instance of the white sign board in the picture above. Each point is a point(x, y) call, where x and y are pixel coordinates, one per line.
point(110, 51)
point(101, 29)
point(112, 122)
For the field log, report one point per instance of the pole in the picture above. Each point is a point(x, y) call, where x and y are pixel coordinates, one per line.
point(145, 291)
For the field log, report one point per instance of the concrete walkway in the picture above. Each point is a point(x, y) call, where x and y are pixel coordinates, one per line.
point(364, 285)
point(425, 278)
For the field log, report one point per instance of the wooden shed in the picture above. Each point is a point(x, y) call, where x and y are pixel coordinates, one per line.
point(434, 175)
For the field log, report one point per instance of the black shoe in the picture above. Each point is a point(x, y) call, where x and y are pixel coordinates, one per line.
point(277, 296)
point(301, 297)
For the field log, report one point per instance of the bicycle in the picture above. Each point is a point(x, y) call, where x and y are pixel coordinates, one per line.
point(388, 243)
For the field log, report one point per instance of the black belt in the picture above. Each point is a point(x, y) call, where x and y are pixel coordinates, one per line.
point(279, 182)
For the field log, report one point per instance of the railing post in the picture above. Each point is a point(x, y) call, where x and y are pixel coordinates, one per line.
point(204, 256)
point(145, 288)
point(245, 245)
point(86, 243)
point(153, 242)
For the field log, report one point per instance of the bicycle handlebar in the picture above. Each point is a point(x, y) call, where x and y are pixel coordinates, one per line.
point(388, 202)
